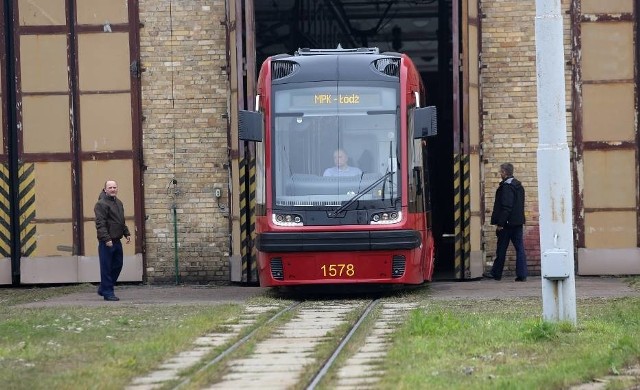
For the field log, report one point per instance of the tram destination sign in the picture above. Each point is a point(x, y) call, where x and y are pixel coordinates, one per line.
point(311, 99)
point(353, 98)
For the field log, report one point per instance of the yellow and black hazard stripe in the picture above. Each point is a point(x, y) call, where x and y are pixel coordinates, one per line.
point(27, 208)
point(252, 220)
point(466, 212)
point(5, 216)
point(244, 215)
point(247, 177)
point(462, 215)
point(457, 217)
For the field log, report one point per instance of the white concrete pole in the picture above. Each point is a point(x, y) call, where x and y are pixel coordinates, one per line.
point(554, 171)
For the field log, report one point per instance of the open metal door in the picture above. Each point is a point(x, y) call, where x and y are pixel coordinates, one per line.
point(458, 180)
point(469, 256)
point(242, 75)
point(70, 121)
point(606, 136)
point(472, 215)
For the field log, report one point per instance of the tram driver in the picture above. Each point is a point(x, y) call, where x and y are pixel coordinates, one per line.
point(341, 167)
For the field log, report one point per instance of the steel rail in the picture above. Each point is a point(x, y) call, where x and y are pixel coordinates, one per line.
point(327, 365)
point(236, 345)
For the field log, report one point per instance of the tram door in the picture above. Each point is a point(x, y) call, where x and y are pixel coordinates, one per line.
point(70, 111)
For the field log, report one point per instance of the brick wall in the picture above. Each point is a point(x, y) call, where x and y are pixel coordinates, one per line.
point(509, 101)
point(184, 95)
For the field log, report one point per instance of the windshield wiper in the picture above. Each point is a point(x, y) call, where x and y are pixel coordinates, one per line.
point(359, 195)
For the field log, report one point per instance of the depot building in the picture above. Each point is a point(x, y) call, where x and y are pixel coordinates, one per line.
point(147, 93)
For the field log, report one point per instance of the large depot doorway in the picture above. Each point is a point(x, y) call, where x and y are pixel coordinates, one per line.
point(423, 29)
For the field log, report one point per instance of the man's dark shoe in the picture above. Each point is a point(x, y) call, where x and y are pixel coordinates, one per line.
point(519, 279)
point(111, 298)
point(100, 293)
point(489, 275)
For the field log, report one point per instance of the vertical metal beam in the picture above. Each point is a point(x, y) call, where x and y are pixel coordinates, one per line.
point(241, 156)
point(465, 129)
point(74, 123)
point(457, 130)
point(250, 53)
point(235, 190)
point(136, 112)
point(578, 145)
point(244, 149)
point(250, 83)
point(554, 172)
point(636, 29)
point(5, 119)
point(11, 40)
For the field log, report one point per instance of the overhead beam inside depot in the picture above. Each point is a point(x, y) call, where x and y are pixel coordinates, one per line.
point(409, 26)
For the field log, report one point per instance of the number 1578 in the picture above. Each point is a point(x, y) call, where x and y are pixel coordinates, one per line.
point(338, 270)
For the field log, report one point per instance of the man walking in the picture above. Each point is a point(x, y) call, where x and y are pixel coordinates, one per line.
point(110, 226)
point(508, 216)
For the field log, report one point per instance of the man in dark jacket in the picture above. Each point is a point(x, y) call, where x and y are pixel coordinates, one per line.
point(110, 226)
point(508, 216)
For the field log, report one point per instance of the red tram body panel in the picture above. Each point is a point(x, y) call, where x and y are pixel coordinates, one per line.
point(341, 189)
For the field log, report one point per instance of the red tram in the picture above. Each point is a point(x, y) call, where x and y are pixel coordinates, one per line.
point(341, 195)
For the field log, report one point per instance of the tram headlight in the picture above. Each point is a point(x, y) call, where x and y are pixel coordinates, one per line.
point(386, 218)
point(287, 220)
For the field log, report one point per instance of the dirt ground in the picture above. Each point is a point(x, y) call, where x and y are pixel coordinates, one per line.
point(586, 287)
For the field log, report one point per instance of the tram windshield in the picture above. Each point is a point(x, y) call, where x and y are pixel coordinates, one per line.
point(332, 142)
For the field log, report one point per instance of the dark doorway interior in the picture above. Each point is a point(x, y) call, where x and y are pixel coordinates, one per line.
point(419, 28)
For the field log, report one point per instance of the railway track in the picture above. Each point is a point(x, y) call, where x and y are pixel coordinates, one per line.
point(303, 345)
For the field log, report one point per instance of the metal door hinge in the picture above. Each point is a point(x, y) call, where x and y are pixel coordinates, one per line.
point(136, 69)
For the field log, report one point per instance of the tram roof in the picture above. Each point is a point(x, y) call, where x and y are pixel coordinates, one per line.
point(360, 64)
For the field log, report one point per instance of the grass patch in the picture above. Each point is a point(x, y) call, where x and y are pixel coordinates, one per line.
point(540, 330)
point(505, 344)
point(93, 347)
